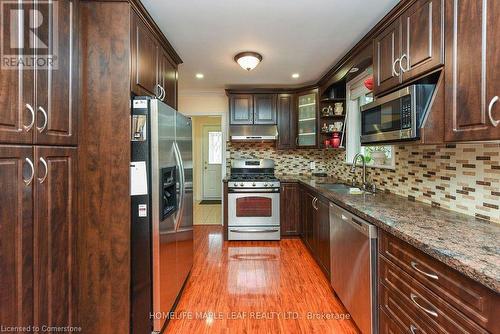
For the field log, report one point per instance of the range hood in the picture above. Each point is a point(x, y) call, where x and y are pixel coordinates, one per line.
point(251, 133)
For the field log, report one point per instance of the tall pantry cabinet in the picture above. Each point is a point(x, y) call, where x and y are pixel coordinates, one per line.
point(38, 169)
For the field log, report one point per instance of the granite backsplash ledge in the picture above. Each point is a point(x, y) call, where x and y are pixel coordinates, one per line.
point(460, 177)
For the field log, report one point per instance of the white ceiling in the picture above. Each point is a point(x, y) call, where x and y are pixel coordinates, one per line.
point(293, 36)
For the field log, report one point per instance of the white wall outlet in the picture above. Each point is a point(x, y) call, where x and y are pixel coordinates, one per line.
point(312, 165)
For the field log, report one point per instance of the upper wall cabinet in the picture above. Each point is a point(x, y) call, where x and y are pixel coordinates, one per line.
point(472, 70)
point(247, 109)
point(38, 103)
point(307, 119)
point(286, 122)
point(241, 109)
point(264, 108)
point(144, 59)
point(387, 49)
point(411, 46)
point(167, 78)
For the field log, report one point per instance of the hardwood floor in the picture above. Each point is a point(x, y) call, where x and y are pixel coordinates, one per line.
point(233, 285)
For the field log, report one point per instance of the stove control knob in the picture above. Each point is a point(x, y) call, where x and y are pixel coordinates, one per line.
point(241, 184)
point(266, 185)
point(253, 184)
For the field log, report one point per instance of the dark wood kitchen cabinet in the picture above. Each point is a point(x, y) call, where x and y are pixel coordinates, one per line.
point(290, 209)
point(55, 236)
point(264, 108)
point(315, 216)
point(38, 229)
point(248, 109)
point(307, 219)
point(472, 70)
point(16, 231)
point(144, 59)
point(415, 290)
point(322, 223)
point(241, 109)
point(409, 47)
point(286, 119)
point(422, 47)
point(387, 49)
point(43, 111)
point(57, 86)
point(167, 77)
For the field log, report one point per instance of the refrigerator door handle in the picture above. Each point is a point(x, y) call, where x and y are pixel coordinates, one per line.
point(181, 188)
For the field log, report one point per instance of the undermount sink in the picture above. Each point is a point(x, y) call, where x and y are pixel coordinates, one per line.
point(342, 188)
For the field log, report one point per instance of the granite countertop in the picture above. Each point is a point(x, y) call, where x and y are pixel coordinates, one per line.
point(462, 242)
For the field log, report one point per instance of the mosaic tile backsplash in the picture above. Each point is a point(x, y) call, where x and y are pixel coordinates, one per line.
point(461, 177)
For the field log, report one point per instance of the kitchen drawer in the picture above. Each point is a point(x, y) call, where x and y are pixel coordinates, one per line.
point(387, 325)
point(428, 307)
point(472, 299)
point(401, 313)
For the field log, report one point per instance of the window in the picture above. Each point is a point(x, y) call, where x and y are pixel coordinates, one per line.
point(357, 96)
point(215, 147)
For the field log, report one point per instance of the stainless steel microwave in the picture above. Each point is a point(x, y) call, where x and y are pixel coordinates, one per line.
point(397, 116)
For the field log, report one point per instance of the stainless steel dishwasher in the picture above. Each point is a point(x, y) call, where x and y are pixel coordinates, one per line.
point(353, 245)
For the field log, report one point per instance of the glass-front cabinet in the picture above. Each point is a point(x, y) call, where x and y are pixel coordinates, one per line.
point(307, 119)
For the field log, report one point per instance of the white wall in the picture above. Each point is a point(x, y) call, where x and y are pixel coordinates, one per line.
point(213, 103)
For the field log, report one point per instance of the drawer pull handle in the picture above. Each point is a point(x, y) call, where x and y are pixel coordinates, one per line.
point(414, 300)
point(414, 266)
point(413, 329)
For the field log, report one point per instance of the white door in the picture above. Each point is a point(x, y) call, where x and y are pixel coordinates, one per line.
point(212, 162)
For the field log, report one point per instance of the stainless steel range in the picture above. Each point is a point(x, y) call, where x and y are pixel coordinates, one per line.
point(253, 201)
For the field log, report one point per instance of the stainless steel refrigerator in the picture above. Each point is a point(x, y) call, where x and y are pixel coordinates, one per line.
point(161, 182)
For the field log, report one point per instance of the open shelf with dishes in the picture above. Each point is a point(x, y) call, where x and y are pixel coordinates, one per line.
point(332, 115)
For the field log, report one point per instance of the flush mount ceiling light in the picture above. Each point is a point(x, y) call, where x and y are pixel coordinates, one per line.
point(295, 75)
point(199, 75)
point(248, 60)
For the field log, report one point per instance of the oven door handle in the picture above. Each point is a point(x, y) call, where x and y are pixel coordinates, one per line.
point(254, 230)
point(259, 190)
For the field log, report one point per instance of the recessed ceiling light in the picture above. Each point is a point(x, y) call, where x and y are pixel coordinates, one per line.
point(199, 75)
point(353, 70)
point(295, 75)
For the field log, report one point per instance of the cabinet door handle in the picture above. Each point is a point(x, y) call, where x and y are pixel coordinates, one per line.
point(490, 110)
point(44, 163)
point(28, 181)
point(29, 126)
point(45, 120)
point(414, 265)
point(426, 310)
point(394, 67)
point(163, 94)
point(296, 141)
point(413, 329)
point(314, 202)
point(407, 63)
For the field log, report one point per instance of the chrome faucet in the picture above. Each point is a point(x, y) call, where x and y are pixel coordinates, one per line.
point(353, 168)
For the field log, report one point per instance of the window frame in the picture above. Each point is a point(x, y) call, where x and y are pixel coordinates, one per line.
point(353, 144)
